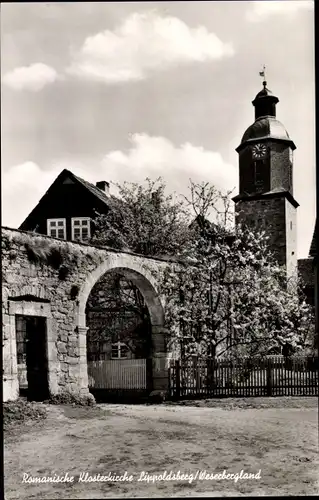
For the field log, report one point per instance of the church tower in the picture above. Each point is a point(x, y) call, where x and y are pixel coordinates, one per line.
point(265, 200)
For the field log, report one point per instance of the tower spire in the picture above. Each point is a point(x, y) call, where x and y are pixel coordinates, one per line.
point(263, 75)
point(265, 101)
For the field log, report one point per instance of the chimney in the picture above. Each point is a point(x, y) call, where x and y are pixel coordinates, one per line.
point(104, 186)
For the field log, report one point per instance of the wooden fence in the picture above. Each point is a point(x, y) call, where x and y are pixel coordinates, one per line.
point(273, 376)
point(118, 374)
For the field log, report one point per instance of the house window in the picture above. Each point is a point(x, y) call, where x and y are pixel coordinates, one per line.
point(56, 228)
point(81, 228)
point(119, 350)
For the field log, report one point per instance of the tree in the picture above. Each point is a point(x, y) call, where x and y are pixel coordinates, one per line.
point(144, 220)
point(226, 293)
point(229, 295)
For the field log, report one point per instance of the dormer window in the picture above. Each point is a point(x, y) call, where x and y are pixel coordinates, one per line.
point(81, 228)
point(56, 228)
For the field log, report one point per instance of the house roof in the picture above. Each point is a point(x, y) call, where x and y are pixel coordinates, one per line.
point(93, 189)
point(211, 229)
point(96, 192)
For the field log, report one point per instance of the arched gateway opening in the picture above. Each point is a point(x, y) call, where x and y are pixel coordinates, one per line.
point(122, 338)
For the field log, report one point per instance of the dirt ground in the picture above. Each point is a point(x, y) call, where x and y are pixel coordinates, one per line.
point(276, 436)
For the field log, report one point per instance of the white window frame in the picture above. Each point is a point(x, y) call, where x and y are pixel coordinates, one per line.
point(80, 219)
point(49, 228)
point(119, 346)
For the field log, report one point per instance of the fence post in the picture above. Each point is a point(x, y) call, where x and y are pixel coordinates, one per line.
point(209, 377)
point(178, 378)
point(269, 382)
point(197, 367)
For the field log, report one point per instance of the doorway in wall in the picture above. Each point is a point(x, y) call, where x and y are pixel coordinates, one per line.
point(32, 357)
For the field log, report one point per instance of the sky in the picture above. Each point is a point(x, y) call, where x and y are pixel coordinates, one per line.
point(129, 90)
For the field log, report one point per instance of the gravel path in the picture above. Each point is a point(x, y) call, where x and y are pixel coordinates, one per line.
point(280, 442)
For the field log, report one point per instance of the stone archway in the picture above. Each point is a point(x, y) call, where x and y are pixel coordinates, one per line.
point(143, 279)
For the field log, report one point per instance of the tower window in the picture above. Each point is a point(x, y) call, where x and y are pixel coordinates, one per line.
point(290, 224)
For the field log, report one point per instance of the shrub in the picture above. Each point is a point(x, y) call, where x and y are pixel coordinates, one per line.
point(20, 411)
point(68, 398)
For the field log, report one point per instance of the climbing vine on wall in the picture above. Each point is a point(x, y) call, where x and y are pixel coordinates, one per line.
point(61, 256)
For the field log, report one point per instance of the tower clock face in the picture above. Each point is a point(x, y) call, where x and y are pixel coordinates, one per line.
point(259, 151)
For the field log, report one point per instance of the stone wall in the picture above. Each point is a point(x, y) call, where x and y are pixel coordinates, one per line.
point(57, 288)
point(266, 214)
point(291, 239)
point(278, 218)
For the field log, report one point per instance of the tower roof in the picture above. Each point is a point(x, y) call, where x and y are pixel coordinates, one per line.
point(265, 93)
point(266, 127)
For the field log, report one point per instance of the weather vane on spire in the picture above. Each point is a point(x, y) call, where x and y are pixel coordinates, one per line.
point(263, 75)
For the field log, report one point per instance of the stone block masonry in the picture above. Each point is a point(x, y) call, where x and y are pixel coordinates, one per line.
point(32, 285)
point(277, 218)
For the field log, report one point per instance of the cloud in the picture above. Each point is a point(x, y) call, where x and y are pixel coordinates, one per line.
point(33, 77)
point(23, 185)
point(260, 10)
point(143, 43)
point(157, 156)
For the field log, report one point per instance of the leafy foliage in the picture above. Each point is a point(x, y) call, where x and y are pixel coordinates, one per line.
point(226, 294)
point(144, 220)
point(230, 296)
